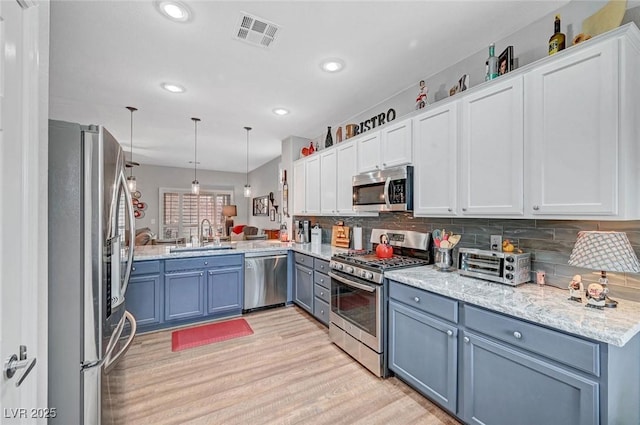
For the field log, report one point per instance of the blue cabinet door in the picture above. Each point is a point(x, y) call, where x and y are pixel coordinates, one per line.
point(423, 351)
point(505, 386)
point(143, 299)
point(303, 288)
point(224, 291)
point(184, 295)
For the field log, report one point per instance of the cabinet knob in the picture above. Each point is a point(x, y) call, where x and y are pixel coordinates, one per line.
point(517, 334)
point(206, 263)
point(536, 208)
point(450, 332)
point(309, 273)
point(322, 312)
point(464, 209)
point(321, 280)
point(377, 166)
point(449, 209)
point(201, 274)
point(384, 164)
point(466, 339)
point(416, 299)
point(133, 269)
point(321, 293)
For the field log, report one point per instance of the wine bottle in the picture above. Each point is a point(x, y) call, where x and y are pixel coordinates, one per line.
point(329, 140)
point(557, 40)
point(492, 64)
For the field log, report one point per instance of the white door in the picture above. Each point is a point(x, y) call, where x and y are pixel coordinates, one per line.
point(395, 145)
point(299, 179)
point(347, 167)
point(369, 152)
point(312, 185)
point(328, 177)
point(24, 56)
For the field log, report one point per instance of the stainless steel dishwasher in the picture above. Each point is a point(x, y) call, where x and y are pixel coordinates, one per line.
point(265, 279)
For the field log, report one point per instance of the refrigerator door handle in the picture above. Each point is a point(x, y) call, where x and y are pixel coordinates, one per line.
point(111, 361)
point(110, 346)
point(132, 233)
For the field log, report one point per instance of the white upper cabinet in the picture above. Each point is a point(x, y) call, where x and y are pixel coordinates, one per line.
point(347, 167)
point(572, 134)
point(435, 146)
point(299, 190)
point(328, 180)
point(312, 185)
point(395, 144)
point(368, 151)
point(491, 154)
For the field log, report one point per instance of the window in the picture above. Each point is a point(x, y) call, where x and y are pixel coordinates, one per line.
point(182, 212)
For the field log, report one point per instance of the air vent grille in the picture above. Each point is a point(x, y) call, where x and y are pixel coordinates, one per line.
point(256, 31)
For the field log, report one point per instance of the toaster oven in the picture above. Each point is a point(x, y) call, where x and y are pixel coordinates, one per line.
point(502, 267)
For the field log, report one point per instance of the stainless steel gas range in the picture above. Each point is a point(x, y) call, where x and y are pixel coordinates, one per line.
point(358, 294)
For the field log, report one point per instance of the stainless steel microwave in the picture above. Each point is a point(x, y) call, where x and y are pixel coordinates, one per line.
point(390, 189)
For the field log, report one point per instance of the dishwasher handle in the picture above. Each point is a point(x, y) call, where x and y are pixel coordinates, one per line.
point(259, 255)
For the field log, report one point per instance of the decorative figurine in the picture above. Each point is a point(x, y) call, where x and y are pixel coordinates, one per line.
point(576, 289)
point(339, 135)
point(421, 99)
point(596, 295)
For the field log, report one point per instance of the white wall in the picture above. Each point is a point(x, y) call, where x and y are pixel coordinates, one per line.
point(264, 180)
point(150, 178)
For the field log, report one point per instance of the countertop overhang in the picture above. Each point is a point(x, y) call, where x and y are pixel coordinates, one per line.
point(544, 305)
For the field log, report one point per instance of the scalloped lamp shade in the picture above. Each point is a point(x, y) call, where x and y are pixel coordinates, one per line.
point(608, 251)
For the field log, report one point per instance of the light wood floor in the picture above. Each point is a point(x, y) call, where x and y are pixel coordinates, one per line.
point(287, 372)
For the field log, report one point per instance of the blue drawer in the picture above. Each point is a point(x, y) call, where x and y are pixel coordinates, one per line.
point(145, 267)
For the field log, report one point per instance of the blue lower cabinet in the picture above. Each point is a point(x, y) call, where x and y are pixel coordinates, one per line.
point(502, 385)
point(184, 295)
point(224, 291)
point(143, 299)
point(423, 351)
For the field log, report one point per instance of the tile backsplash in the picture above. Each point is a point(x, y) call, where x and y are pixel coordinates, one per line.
point(549, 241)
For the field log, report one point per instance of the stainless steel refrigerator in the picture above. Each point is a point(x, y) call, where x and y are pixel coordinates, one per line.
point(91, 240)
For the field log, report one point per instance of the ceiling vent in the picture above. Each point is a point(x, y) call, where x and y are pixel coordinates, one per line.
point(256, 31)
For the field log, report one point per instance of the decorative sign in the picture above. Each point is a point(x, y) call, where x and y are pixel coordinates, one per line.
point(371, 123)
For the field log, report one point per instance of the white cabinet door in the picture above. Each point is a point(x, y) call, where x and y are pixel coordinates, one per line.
point(435, 147)
point(395, 144)
point(328, 180)
point(312, 185)
point(492, 150)
point(369, 152)
point(299, 190)
point(571, 133)
point(347, 167)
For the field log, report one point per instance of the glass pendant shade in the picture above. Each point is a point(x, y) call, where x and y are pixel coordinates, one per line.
point(131, 183)
point(247, 187)
point(195, 185)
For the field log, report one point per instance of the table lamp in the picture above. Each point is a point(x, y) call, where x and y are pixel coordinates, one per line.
point(604, 251)
point(228, 211)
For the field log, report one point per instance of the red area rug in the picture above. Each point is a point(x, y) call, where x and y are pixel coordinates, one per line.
point(207, 334)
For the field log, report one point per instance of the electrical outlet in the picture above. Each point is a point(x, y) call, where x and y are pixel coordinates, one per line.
point(496, 243)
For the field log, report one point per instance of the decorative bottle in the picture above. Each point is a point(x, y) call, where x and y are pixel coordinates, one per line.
point(311, 148)
point(557, 40)
point(329, 140)
point(492, 63)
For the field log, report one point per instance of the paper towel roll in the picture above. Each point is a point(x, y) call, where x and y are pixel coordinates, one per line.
point(357, 237)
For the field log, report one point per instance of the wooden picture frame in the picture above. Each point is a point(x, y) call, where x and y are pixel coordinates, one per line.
point(261, 205)
point(505, 61)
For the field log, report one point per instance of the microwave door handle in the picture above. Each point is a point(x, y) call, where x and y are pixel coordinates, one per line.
point(351, 283)
point(132, 233)
point(387, 183)
point(111, 361)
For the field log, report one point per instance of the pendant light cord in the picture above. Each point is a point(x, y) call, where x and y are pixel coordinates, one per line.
point(248, 130)
point(195, 149)
point(132, 109)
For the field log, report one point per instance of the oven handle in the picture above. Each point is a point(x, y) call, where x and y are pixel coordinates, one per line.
point(387, 183)
point(351, 283)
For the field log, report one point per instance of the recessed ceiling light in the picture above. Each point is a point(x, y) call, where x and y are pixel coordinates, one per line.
point(332, 65)
point(174, 10)
point(280, 111)
point(173, 88)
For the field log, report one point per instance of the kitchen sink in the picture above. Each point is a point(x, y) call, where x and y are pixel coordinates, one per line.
point(210, 247)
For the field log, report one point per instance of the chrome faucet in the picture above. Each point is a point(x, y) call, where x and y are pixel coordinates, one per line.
point(202, 231)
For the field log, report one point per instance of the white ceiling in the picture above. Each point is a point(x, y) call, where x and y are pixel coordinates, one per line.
point(106, 55)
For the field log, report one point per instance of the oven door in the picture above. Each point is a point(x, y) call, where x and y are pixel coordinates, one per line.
point(356, 308)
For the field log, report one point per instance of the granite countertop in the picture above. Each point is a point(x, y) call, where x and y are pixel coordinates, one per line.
point(545, 305)
point(161, 252)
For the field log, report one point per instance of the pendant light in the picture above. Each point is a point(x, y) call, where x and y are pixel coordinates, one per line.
point(195, 186)
point(131, 180)
point(247, 187)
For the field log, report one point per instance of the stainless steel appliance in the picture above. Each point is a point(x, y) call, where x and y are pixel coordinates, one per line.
point(303, 231)
point(91, 239)
point(502, 267)
point(357, 319)
point(390, 189)
point(265, 280)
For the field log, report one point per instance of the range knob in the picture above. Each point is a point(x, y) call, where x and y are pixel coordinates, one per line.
point(510, 259)
point(509, 267)
point(369, 275)
point(350, 270)
point(509, 276)
point(339, 266)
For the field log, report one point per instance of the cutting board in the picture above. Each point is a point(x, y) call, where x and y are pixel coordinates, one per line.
point(340, 236)
point(605, 19)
